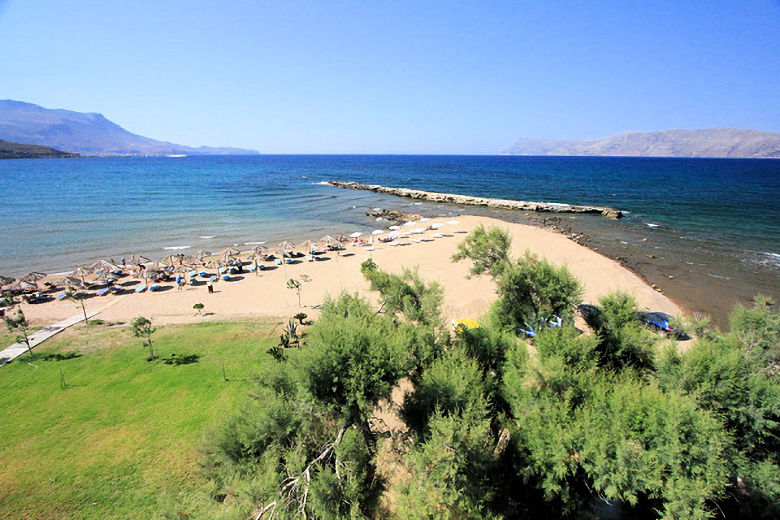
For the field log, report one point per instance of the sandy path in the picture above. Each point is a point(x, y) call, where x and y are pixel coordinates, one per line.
point(266, 294)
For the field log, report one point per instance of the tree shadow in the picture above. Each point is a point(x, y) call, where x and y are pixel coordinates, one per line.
point(57, 356)
point(181, 359)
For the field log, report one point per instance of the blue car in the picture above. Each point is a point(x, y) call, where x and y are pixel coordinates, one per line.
point(659, 321)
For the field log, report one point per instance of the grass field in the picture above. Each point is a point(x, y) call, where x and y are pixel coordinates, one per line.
point(120, 440)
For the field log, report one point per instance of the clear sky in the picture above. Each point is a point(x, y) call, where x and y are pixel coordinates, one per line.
point(286, 76)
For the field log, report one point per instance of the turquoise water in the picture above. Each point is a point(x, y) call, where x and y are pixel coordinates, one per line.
point(56, 214)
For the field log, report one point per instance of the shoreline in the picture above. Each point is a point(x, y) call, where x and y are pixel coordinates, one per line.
point(265, 293)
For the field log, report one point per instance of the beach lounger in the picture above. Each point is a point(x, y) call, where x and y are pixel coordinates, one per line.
point(222, 270)
point(233, 270)
point(140, 288)
point(309, 258)
point(252, 268)
point(154, 287)
point(61, 296)
point(289, 261)
point(214, 278)
point(192, 274)
point(226, 277)
point(104, 291)
point(204, 274)
point(277, 261)
point(426, 239)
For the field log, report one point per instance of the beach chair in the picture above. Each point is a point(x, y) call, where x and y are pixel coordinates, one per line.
point(204, 274)
point(214, 278)
point(222, 270)
point(252, 268)
point(278, 261)
point(309, 258)
point(140, 288)
point(233, 270)
point(154, 287)
point(289, 261)
point(226, 277)
point(104, 291)
point(61, 296)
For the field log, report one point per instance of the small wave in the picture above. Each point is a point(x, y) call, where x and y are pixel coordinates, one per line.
point(206, 237)
point(718, 276)
point(176, 248)
point(650, 224)
point(322, 183)
point(254, 243)
point(772, 259)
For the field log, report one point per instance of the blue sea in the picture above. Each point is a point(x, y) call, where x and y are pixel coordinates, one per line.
point(58, 213)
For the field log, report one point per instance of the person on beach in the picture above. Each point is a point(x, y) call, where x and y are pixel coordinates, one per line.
point(210, 285)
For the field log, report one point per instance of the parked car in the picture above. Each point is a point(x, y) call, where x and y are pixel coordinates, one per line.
point(659, 321)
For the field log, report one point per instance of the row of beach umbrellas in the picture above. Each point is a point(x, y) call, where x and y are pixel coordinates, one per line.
point(105, 269)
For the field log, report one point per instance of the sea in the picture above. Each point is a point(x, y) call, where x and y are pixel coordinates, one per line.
point(713, 221)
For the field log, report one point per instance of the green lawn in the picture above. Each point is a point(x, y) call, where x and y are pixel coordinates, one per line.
point(120, 441)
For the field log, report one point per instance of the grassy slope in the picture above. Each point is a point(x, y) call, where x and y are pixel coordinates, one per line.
point(121, 440)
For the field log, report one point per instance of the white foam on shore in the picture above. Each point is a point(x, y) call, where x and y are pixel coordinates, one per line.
point(176, 248)
point(254, 243)
point(650, 224)
point(206, 237)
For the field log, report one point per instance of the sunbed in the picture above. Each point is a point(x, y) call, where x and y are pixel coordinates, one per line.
point(140, 288)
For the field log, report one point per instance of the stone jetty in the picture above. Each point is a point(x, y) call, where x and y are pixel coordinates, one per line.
point(449, 198)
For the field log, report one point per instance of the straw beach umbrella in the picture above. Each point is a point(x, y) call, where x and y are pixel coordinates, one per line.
point(5, 280)
point(286, 248)
point(33, 277)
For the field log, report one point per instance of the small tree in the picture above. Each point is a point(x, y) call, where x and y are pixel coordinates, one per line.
point(294, 284)
point(198, 308)
point(78, 297)
point(300, 317)
point(142, 328)
point(277, 352)
point(488, 249)
point(19, 323)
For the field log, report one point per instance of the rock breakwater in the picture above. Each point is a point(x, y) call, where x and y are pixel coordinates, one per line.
point(467, 200)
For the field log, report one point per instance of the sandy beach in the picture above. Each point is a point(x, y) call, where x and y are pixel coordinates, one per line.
point(266, 293)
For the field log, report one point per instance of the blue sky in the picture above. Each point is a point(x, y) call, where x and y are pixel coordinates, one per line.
point(285, 76)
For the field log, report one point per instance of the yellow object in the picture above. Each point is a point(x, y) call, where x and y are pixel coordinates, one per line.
point(461, 324)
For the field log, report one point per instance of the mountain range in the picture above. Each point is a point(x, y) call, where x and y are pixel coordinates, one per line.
point(710, 142)
point(86, 133)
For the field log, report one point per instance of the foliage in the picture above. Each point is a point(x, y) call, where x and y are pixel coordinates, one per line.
point(451, 386)
point(78, 297)
point(450, 471)
point(533, 290)
point(488, 249)
point(406, 293)
point(300, 317)
point(19, 323)
point(418, 303)
point(141, 327)
point(198, 308)
point(579, 428)
point(622, 339)
point(296, 286)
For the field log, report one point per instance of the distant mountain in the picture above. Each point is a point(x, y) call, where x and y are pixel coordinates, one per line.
point(9, 150)
point(86, 133)
point(711, 142)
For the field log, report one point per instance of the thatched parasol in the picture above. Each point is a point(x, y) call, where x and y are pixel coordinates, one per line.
point(5, 280)
point(286, 247)
point(33, 277)
point(68, 281)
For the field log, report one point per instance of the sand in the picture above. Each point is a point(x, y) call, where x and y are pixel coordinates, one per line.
point(266, 294)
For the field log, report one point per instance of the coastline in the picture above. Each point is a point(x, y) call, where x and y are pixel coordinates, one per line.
point(266, 294)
